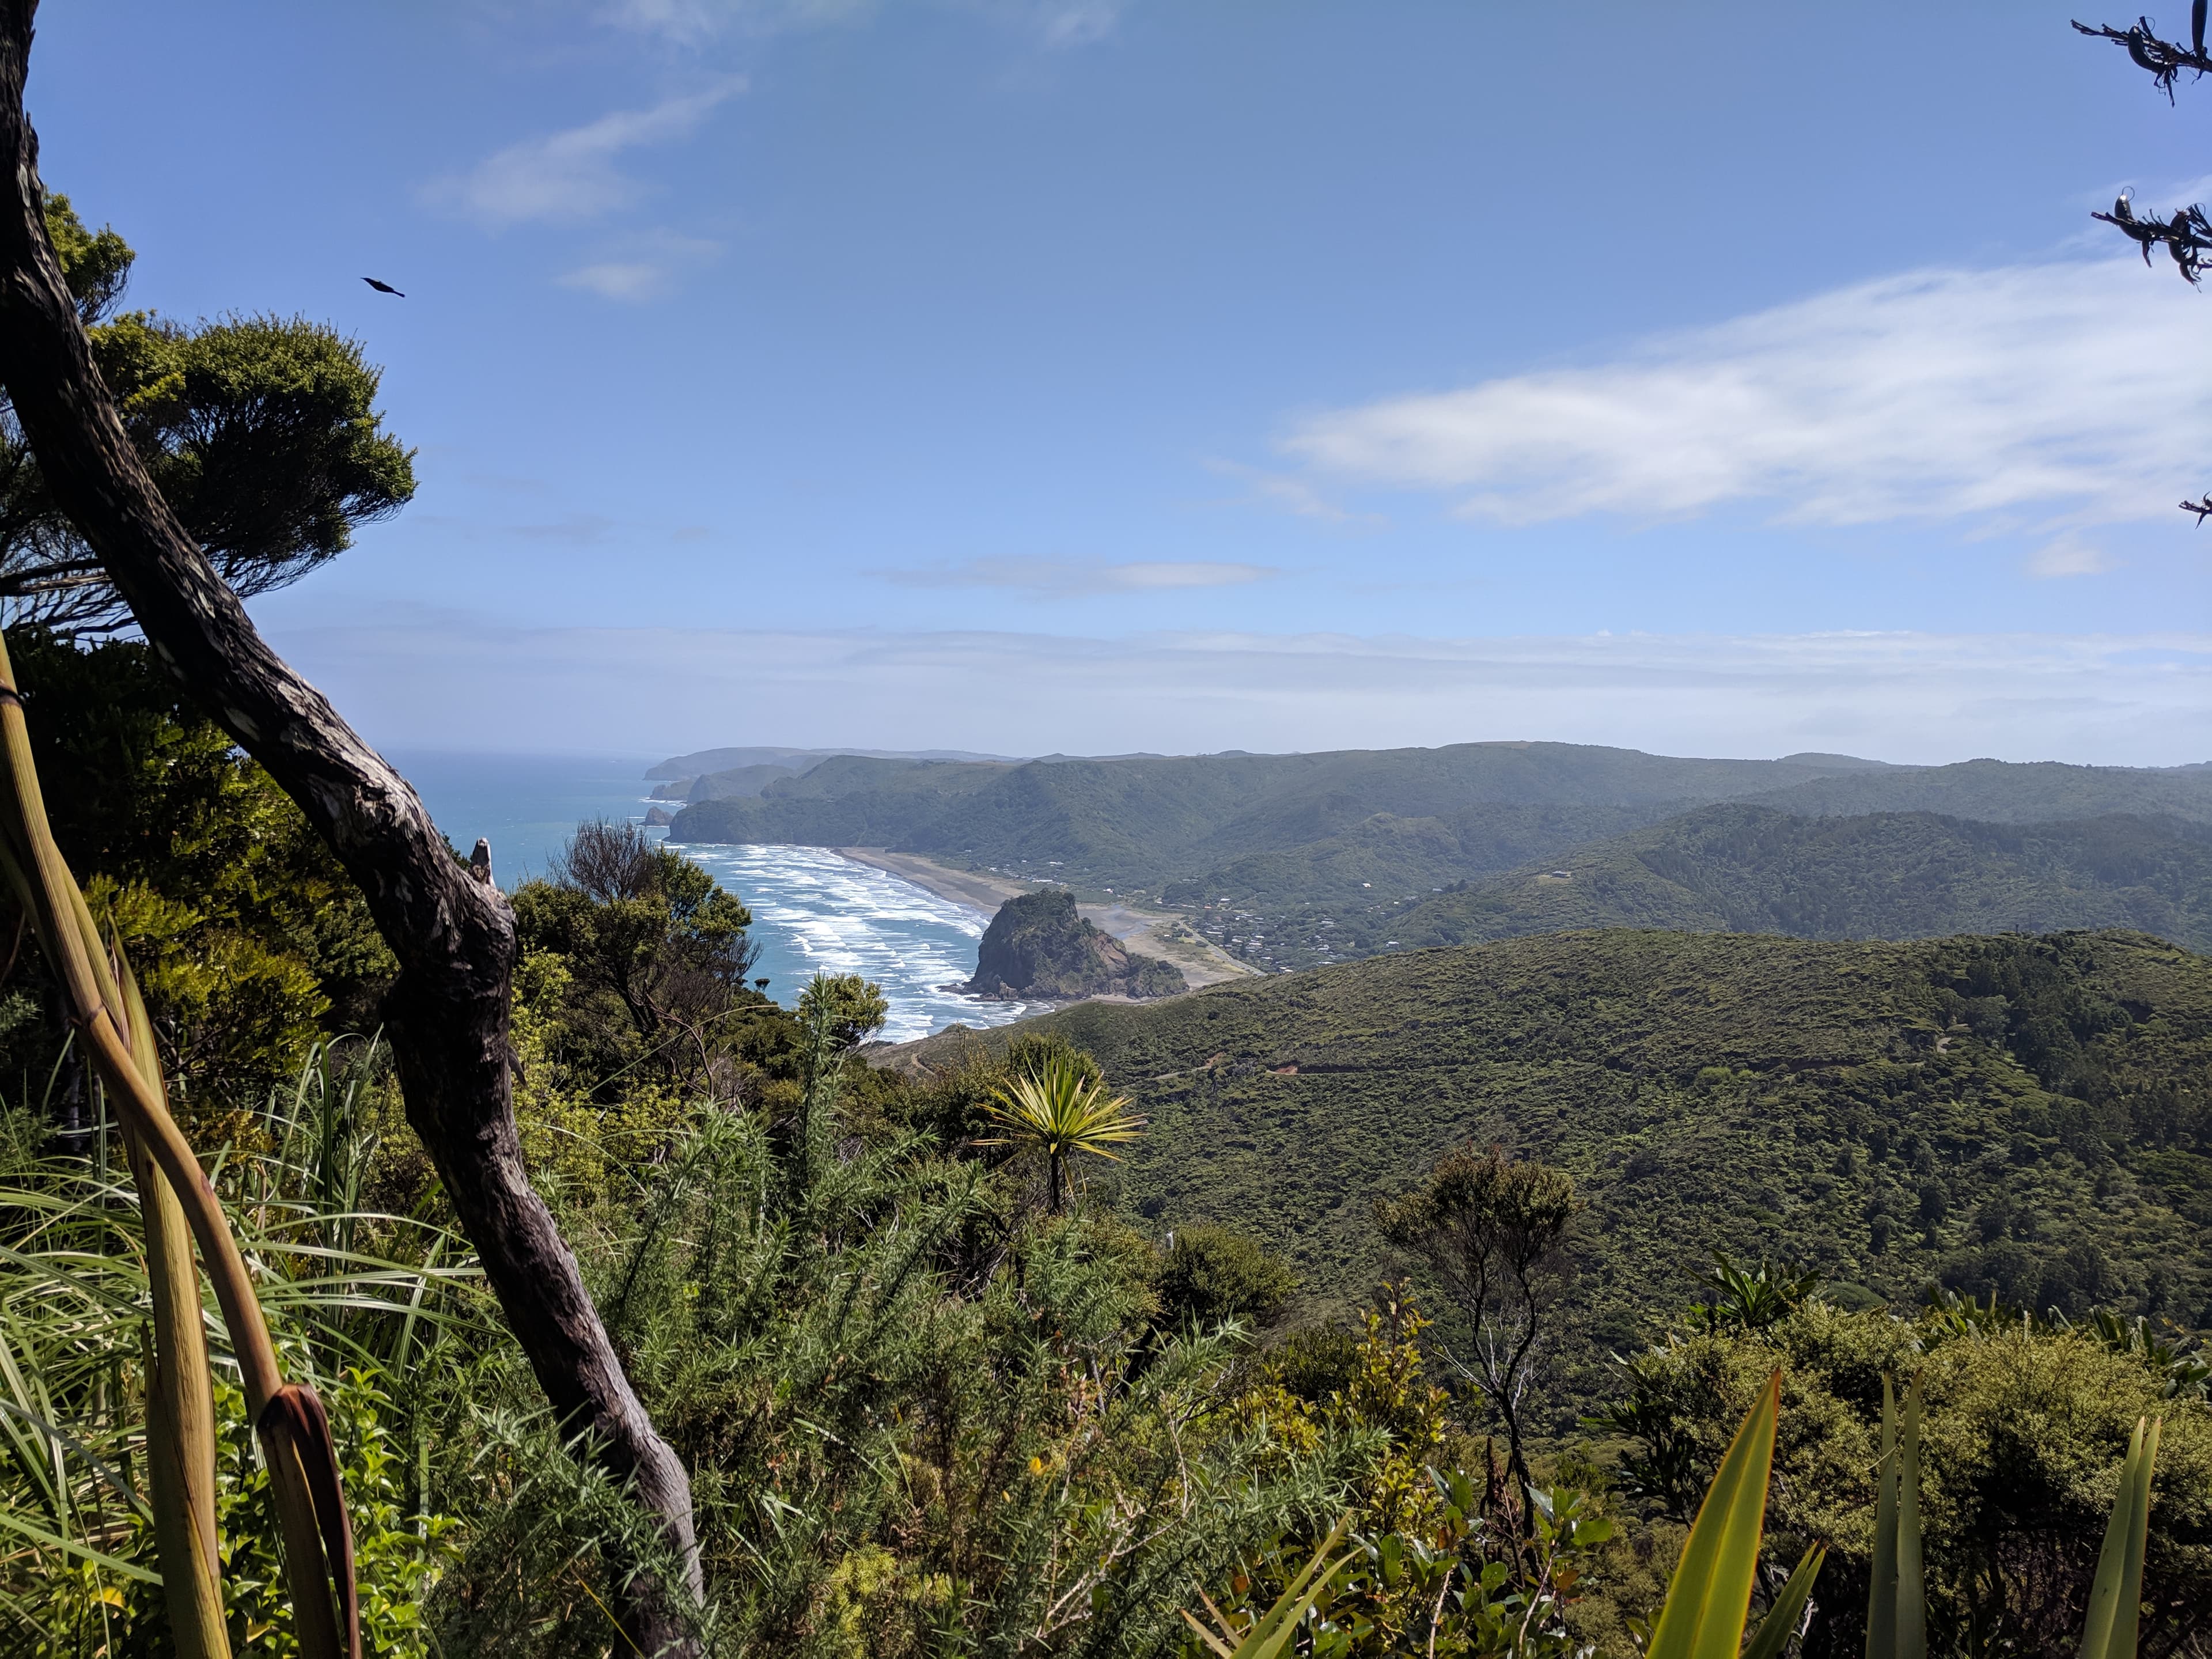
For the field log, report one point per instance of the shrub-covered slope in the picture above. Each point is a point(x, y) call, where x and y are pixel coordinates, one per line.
point(2006, 792)
point(1739, 868)
point(2026, 1115)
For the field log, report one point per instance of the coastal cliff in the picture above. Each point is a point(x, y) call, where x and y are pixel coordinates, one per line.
point(1038, 946)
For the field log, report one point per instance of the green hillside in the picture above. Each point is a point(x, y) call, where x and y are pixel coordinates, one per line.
point(2026, 1115)
point(2006, 792)
point(1738, 868)
point(1141, 822)
point(1298, 861)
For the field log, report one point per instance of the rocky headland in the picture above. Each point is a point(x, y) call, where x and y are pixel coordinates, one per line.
point(1037, 947)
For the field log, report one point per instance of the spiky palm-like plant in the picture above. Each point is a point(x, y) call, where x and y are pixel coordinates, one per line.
point(1058, 1111)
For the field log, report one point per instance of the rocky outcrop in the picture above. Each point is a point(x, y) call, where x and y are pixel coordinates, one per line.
point(1037, 947)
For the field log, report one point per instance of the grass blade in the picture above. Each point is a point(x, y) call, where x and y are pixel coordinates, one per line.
point(1789, 1609)
point(1897, 1602)
point(1274, 1631)
point(2116, 1600)
point(1710, 1598)
point(1911, 1580)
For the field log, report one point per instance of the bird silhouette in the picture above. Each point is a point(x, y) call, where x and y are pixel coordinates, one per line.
point(383, 288)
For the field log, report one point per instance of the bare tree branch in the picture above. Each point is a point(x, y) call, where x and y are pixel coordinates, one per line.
point(2163, 58)
point(2187, 233)
point(453, 936)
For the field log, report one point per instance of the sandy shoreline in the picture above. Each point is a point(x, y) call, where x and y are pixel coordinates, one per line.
point(983, 893)
point(1149, 932)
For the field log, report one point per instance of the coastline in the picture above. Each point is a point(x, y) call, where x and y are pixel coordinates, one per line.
point(980, 893)
point(1149, 932)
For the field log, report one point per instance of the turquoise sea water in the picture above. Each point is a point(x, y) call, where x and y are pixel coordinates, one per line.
point(813, 912)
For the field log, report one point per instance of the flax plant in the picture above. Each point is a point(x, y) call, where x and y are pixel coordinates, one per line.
point(390, 1320)
point(110, 1018)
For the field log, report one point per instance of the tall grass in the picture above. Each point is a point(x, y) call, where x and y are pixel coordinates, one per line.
point(361, 1305)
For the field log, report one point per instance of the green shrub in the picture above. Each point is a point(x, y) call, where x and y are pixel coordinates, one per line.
point(1212, 1275)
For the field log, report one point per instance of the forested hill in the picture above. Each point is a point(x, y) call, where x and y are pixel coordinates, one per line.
point(1143, 820)
point(2007, 792)
point(1741, 868)
point(1271, 826)
point(2026, 1115)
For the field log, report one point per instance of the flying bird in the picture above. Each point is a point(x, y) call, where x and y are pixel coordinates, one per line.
point(383, 288)
point(2202, 509)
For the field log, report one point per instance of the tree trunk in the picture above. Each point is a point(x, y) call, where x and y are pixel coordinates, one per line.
point(453, 937)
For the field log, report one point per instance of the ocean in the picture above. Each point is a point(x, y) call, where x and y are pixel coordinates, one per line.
point(813, 912)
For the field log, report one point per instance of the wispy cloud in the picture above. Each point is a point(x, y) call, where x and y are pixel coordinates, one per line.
point(2069, 556)
point(2063, 393)
point(572, 176)
point(689, 22)
point(643, 267)
point(1063, 578)
point(619, 280)
point(2142, 699)
point(1290, 493)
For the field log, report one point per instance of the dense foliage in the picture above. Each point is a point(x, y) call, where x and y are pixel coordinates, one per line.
point(2026, 1116)
point(252, 942)
point(2026, 1422)
point(1742, 869)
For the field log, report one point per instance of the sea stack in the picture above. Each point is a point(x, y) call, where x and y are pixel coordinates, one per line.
point(1038, 948)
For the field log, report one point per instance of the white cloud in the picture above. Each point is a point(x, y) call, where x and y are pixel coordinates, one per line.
point(2069, 556)
point(571, 175)
point(643, 267)
point(689, 22)
point(2067, 394)
point(617, 280)
point(1055, 578)
point(2133, 700)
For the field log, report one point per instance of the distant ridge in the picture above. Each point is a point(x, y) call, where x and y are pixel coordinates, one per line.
point(1838, 762)
point(724, 760)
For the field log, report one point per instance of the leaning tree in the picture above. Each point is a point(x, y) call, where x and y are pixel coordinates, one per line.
point(452, 932)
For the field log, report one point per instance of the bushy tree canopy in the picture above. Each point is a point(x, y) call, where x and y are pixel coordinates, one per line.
point(252, 941)
point(1212, 1274)
point(653, 954)
point(261, 432)
point(2027, 1424)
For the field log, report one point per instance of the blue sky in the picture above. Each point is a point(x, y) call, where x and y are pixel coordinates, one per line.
point(1074, 375)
